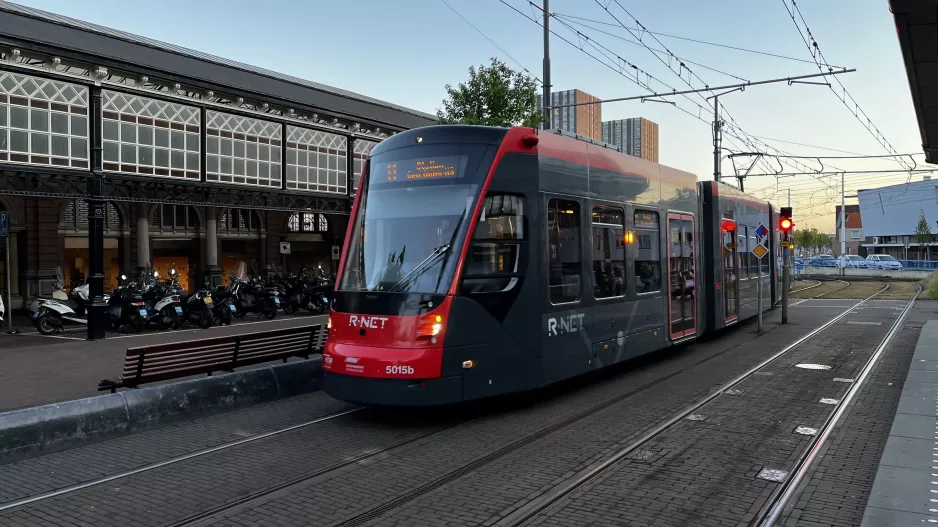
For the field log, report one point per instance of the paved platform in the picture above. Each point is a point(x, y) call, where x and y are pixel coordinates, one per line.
point(37, 369)
point(905, 491)
point(466, 466)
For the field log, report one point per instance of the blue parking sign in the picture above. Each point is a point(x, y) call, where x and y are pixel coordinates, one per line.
point(4, 224)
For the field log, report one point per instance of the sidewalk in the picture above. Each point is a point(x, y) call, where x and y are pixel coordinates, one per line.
point(36, 369)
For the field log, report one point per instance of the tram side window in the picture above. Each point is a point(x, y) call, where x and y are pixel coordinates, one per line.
point(608, 252)
point(563, 250)
point(742, 248)
point(648, 255)
point(494, 258)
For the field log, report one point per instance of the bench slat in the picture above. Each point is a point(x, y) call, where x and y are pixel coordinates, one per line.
point(161, 362)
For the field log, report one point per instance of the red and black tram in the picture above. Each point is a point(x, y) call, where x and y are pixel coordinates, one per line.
point(482, 261)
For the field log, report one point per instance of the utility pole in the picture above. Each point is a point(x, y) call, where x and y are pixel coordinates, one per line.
point(718, 132)
point(546, 95)
point(97, 213)
point(717, 138)
point(843, 216)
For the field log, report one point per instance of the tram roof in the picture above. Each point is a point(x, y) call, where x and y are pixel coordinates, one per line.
point(43, 31)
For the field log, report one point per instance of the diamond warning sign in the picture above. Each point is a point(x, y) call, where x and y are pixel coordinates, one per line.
point(759, 250)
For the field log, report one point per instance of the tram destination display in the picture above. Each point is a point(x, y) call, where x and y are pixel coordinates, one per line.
point(421, 169)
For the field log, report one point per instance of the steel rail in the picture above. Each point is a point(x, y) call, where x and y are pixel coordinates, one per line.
point(171, 461)
point(534, 507)
point(788, 489)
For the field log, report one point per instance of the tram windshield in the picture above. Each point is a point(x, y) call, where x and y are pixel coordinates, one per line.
point(412, 219)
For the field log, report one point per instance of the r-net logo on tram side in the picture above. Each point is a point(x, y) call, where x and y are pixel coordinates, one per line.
point(565, 324)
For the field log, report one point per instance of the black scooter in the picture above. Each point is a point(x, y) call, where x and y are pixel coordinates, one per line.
point(197, 307)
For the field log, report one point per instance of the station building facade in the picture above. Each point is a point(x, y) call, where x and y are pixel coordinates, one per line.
point(205, 162)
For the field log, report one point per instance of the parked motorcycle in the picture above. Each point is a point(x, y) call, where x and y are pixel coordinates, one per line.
point(126, 307)
point(223, 306)
point(252, 295)
point(321, 293)
point(198, 307)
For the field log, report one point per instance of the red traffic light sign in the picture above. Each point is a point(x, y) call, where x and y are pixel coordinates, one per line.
point(785, 224)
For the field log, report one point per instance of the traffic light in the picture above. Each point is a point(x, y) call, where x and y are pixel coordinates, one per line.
point(785, 223)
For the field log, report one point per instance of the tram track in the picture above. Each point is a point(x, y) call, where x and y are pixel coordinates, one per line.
point(787, 490)
point(382, 509)
point(171, 461)
point(847, 284)
point(374, 512)
point(546, 500)
point(818, 284)
point(401, 500)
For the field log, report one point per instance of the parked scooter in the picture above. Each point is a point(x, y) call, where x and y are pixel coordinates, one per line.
point(162, 300)
point(198, 307)
point(49, 315)
point(126, 307)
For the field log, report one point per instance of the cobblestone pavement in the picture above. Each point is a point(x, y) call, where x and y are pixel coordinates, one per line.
point(471, 465)
point(707, 470)
point(40, 370)
point(841, 478)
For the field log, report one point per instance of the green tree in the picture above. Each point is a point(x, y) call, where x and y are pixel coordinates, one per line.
point(923, 233)
point(811, 239)
point(803, 239)
point(494, 95)
point(819, 239)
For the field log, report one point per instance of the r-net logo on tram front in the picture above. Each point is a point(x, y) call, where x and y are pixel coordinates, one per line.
point(358, 321)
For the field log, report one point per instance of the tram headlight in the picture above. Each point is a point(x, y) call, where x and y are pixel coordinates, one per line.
point(328, 322)
point(429, 326)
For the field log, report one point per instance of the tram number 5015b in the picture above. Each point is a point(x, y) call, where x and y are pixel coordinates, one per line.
point(399, 370)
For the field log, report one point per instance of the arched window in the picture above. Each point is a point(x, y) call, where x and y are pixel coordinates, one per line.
point(239, 221)
point(75, 217)
point(174, 218)
point(308, 222)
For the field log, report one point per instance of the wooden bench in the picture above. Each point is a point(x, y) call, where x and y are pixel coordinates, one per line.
point(162, 362)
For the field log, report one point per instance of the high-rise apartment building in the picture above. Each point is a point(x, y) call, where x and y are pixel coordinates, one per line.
point(636, 137)
point(585, 120)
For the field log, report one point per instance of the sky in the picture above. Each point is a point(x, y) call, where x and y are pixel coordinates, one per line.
point(406, 51)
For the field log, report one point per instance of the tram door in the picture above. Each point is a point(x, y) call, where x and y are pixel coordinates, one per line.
point(682, 300)
point(730, 277)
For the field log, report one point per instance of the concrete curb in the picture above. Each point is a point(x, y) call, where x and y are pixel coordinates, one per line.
point(61, 425)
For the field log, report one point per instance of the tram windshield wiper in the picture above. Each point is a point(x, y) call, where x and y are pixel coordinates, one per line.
point(427, 263)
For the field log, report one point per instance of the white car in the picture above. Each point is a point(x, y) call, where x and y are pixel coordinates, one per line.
point(883, 261)
point(852, 261)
